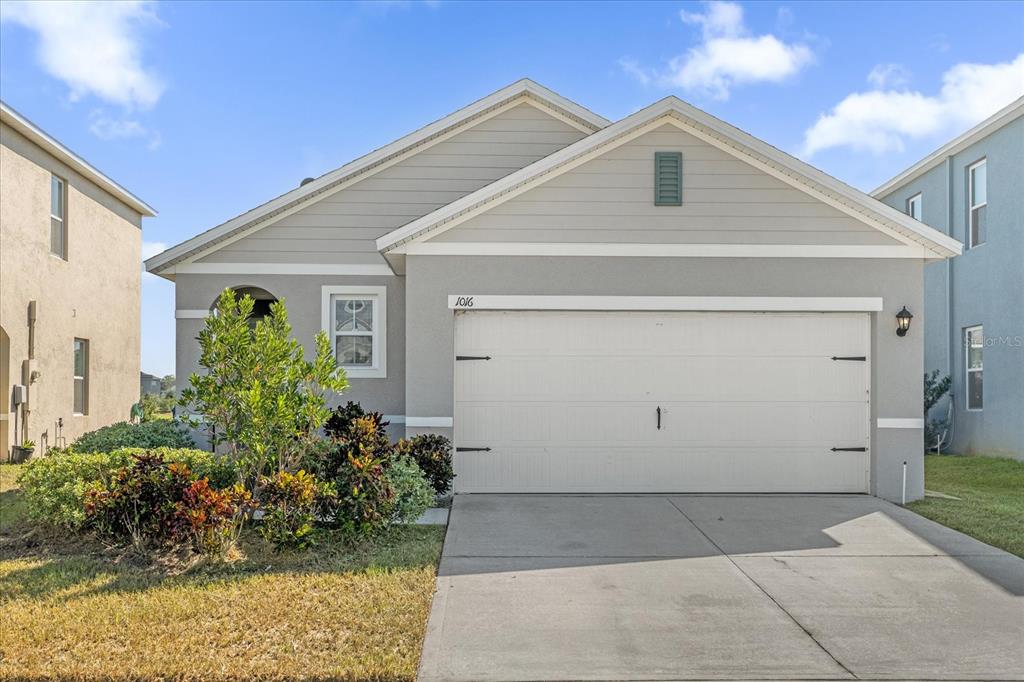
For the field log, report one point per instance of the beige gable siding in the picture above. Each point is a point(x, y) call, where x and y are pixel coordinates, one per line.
point(611, 200)
point(341, 228)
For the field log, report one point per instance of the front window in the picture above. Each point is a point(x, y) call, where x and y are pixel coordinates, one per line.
point(977, 193)
point(81, 388)
point(355, 322)
point(974, 347)
point(58, 217)
point(914, 206)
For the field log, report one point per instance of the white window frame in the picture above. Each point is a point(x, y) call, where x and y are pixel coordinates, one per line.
point(970, 198)
point(63, 218)
point(378, 295)
point(84, 378)
point(968, 369)
point(918, 198)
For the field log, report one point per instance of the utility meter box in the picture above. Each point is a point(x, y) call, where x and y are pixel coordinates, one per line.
point(19, 394)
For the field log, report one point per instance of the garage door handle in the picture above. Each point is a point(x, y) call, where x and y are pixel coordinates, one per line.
point(659, 417)
point(472, 357)
point(852, 358)
point(472, 449)
point(849, 449)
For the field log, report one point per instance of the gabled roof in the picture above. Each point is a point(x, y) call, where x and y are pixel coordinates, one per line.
point(1001, 118)
point(716, 132)
point(39, 137)
point(362, 167)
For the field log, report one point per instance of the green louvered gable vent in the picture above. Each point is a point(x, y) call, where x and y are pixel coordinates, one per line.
point(668, 178)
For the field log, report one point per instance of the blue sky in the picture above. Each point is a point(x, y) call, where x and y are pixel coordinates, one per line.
point(206, 110)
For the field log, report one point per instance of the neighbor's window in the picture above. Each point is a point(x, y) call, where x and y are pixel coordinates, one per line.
point(974, 345)
point(81, 399)
point(355, 322)
point(914, 206)
point(58, 217)
point(977, 193)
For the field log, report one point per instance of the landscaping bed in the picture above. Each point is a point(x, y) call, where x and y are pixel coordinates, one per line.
point(991, 492)
point(73, 608)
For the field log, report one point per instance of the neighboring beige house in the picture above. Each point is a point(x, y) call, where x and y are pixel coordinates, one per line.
point(70, 251)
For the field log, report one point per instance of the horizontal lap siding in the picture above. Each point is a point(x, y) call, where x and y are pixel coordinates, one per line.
point(342, 227)
point(610, 200)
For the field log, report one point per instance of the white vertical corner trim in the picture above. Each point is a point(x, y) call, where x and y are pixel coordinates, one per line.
point(191, 314)
point(667, 303)
point(435, 422)
point(379, 296)
point(900, 423)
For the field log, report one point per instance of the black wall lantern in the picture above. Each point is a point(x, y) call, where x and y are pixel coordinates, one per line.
point(903, 319)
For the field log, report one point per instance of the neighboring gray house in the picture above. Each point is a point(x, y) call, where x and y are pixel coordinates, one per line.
point(972, 189)
point(661, 303)
point(149, 384)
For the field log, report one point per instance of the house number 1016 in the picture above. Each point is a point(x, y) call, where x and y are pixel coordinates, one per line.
point(464, 302)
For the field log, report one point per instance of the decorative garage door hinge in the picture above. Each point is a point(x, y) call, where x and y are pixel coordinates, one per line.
point(472, 449)
point(853, 358)
point(472, 357)
point(849, 449)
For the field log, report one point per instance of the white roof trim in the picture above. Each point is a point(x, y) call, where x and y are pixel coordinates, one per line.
point(49, 144)
point(726, 137)
point(1000, 119)
point(571, 112)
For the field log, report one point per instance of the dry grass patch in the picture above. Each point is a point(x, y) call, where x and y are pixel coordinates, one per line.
point(70, 611)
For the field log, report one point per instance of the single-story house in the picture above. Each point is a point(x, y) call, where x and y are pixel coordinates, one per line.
point(660, 303)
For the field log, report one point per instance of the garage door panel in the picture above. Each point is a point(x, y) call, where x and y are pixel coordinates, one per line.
point(698, 469)
point(669, 377)
point(613, 335)
point(682, 423)
point(750, 402)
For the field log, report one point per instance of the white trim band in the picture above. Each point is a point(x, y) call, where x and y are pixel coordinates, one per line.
point(279, 269)
point(661, 250)
point(437, 422)
point(394, 418)
point(193, 314)
point(666, 303)
point(900, 423)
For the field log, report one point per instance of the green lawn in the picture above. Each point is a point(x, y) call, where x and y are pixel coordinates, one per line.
point(72, 609)
point(991, 489)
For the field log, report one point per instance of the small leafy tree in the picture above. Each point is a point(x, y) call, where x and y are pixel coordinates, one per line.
point(934, 389)
point(259, 394)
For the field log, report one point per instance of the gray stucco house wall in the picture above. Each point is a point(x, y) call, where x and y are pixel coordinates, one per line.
point(982, 287)
point(525, 195)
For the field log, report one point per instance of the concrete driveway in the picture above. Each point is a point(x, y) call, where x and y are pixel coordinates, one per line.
point(657, 587)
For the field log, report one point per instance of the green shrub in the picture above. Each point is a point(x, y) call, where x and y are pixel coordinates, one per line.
point(413, 492)
point(433, 454)
point(155, 503)
point(259, 395)
point(340, 423)
point(54, 486)
point(153, 405)
point(290, 504)
point(356, 465)
point(161, 433)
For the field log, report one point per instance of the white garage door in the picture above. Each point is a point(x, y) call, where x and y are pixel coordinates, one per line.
point(661, 402)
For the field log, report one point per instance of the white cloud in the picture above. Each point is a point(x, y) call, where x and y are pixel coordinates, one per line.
point(94, 47)
point(889, 76)
point(108, 128)
point(633, 68)
point(728, 55)
point(150, 249)
point(881, 120)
